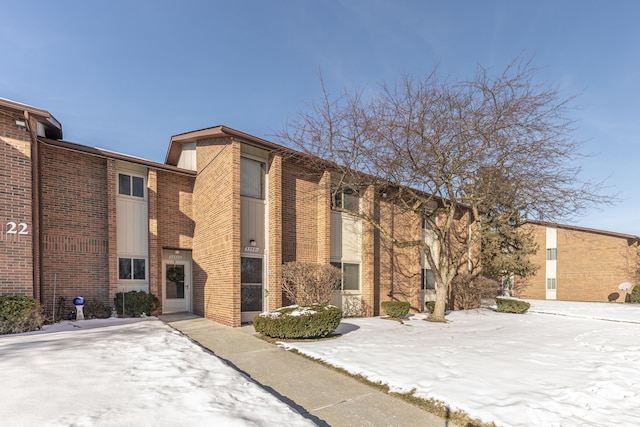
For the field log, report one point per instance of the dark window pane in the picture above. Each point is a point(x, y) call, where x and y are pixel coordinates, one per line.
point(139, 267)
point(175, 286)
point(428, 279)
point(124, 268)
point(251, 298)
point(124, 184)
point(351, 277)
point(138, 186)
point(250, 270)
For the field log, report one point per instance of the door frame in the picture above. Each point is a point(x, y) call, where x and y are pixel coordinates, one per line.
point(188, 283)
point(247, 316)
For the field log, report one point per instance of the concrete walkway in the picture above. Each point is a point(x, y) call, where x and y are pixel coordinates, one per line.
point(322, 395)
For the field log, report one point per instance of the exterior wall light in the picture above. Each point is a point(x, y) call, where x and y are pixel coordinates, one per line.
point(252, 243)
point(22, 125)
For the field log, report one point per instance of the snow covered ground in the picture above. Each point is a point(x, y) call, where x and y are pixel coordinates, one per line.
point(560, 364)
point(126, 372)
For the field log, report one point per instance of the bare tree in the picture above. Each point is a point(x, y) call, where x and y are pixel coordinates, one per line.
point(310, 283)
point(427, 144)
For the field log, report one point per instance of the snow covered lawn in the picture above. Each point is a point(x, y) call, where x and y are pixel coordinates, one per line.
point(560, 364)
point(127, 372)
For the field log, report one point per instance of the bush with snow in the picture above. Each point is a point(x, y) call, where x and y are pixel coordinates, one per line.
point(308, 321)
point(635, 294)
point(135, 303)
point(510, 305)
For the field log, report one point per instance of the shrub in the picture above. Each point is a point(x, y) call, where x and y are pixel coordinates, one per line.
point(96, 310)
point(635, 294)
point(468, 290)
point(508, 305)
point(305, 283)
point(19, 314)
point(395, 308)
point(429, 306)
point(136, 303)
point(310, 321)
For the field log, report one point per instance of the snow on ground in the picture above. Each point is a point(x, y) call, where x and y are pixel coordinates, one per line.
point(561, 364)
point(126, 372)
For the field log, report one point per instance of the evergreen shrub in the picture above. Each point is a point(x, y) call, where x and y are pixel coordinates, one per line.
point(429, 306)
point(19, 313)
point(395, 309)
point(508, 305)
point(136, 303)
point(635, 294)
point(308, 321)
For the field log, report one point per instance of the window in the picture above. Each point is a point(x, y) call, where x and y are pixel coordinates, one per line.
point(428, 279)
point(347, 199)
point(132, 268)
point(425, 224)
point(350, 275)
point(129, 185)
point(552, 254)
point(551, 284)
point(251, 178)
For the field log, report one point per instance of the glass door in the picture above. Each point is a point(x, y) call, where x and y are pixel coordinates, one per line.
point(251, 287)
point(177, 296)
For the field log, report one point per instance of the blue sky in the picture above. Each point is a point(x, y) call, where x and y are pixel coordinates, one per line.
point(127, 75)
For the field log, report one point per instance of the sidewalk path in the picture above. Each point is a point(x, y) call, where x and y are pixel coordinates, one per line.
point(324, 396)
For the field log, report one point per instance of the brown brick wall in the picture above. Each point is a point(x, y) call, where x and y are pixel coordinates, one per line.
point(589, 265)
point(216, 242)
point(75, 226)
point(400, 268)
point(16, 251)
point(302, 239)
point(170, 219)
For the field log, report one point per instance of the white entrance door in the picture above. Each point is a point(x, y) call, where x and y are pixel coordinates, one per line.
point(176, 286)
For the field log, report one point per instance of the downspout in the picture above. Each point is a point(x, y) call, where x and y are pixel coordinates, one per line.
point(36, 207)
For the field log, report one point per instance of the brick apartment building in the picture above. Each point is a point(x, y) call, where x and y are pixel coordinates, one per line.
point(580, 264)
point(207, 231)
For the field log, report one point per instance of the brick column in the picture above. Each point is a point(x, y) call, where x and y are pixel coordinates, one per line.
point(112, 226)
point(274, 261)
point(324, 218)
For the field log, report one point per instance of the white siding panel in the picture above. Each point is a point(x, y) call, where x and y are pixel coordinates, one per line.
point(187, 159)
point(351, 239)
point(133, 228)
point(252, 213)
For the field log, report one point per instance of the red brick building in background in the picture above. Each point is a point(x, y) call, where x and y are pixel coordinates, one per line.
point(207, 231)
point(579, 264)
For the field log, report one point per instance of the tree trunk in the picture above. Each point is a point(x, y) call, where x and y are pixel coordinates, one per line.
point(439, 309)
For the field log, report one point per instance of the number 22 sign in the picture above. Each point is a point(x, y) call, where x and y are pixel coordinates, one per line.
point(14, 229)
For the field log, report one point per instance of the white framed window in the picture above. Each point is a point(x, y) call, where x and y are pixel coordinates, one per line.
point(252, 177)
point(350, 275)
point(132, 268)
point(552, 254)
point(551, 283)
point(130, 185)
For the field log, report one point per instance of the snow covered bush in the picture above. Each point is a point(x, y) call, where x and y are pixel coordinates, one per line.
point(395, 308)
point(308, 321)
point(19, 313)
point(635, 294)
point(509, 305)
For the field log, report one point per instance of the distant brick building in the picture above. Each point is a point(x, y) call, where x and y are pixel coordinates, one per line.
point(580, 264)
point(207, 231)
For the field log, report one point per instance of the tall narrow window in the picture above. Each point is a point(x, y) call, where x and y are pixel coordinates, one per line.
point(551, 283)
point(251, 178)
point(552, 254)
point(428, 279)
point(350, 275)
